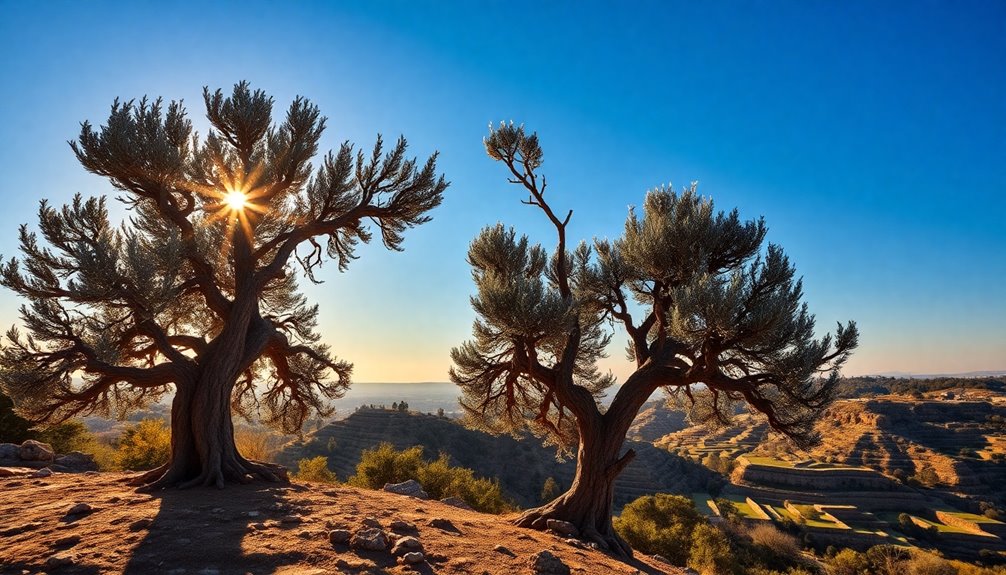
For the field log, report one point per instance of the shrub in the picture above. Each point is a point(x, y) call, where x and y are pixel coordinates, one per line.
point(384, 464)
point(439, 479)
point(848, 562)
point(660, 524)
point(145, 445)
point(923, 563)
point(256, 444)
point(783, 547)
point(315, 469)
point(710, 551)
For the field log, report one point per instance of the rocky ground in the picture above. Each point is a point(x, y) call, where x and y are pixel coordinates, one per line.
point(91, 523)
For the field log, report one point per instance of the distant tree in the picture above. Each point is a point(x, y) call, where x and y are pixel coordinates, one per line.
point(440, 412)
point(403, 406)
point(704, 308)
point(196, 292)
point(550, 490)
point(394, 406)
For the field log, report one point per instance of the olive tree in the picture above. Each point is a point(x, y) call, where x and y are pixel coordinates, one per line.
point(196, 293)
point(710, 314)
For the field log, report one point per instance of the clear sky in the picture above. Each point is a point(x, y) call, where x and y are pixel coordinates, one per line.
point(870, 135)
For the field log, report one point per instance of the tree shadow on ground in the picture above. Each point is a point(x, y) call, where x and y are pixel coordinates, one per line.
point(213, 532)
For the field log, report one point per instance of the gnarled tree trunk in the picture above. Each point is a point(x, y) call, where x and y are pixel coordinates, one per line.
point(203, 452)
point(588, 502)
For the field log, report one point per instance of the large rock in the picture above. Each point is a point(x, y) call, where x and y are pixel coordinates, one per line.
point(10, 451)
point(412, 488)
point(32, 450)
point(77, 462)
point(545, 563)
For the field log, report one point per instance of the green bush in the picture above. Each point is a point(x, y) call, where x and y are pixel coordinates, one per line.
point(660, 524)
point(145, 445)
point(68, 436)
point(710, 551)
point(315, 469)
point(384, 464)
point(439, 479)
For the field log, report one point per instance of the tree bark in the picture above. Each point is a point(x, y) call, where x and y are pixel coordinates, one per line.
point(588, 502)
point(599, 460)
point(203, 452)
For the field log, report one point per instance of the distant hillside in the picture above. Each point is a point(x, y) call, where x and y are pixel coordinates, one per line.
point(868, 386)
point(655, 420)
point(522, 466)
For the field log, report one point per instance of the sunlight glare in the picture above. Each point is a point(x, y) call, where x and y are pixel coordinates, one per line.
point(236, 200)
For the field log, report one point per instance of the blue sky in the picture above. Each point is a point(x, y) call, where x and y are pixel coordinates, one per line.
point(870, 135)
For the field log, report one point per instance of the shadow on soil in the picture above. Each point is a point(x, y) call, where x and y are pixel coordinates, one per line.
point(204, 531)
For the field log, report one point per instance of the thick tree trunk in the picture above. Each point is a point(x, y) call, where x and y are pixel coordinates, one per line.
point(588, 502)
point(203, 452)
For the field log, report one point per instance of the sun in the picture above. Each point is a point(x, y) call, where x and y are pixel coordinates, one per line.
point(236, 200)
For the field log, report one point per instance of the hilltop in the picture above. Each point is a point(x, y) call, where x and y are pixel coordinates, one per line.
point(522, 466)
point(260, 529)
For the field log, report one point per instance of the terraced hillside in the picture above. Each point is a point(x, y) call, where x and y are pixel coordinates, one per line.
point(962, 442)
point(655, 420)
point(522, 466)
point(745, 434)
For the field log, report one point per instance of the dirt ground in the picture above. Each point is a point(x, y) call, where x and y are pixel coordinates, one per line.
point(257, 528)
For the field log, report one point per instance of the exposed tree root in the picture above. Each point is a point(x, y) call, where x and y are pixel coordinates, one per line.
point(537, 519)
point(235, 470)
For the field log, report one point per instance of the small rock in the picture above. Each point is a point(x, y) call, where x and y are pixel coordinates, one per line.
point(92, 473)
point(412, 488)
point(575, 543)
point(304, 534)
point(545, 563)
point(370, 540)
point(661, 558)
point(80, 509)
point(561, 527)
point(401, 525)
point(8, 472)
point(60, 560)
point(217, 510)
point(525, 537)
point(413, 558)
point(32, 450)
point(113, 500)
point(252, 514)
point(444, 524)
point(139, 524)
point(339, 536)
point(291, 519)
point(689, 571)
point(68, 541)
point(44, 472)
point(457, 502)
point(504, 550)
point(407, 545)
point(371, 523)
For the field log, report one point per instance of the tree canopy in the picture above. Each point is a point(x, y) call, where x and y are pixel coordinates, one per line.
point(196, 291)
